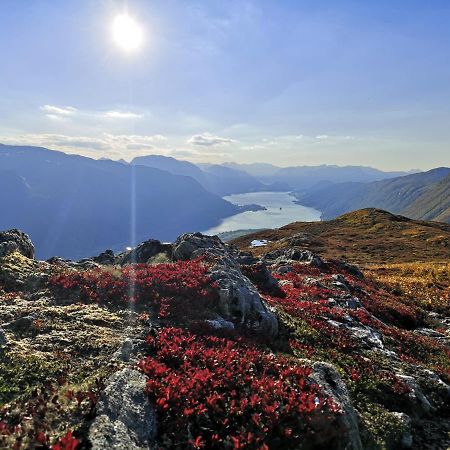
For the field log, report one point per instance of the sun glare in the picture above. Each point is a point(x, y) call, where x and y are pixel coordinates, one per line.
point(127, 33)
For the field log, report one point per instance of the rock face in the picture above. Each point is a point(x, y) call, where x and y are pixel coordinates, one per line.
point(143, 252)
point(15, 240)
point(240, 301)
point(333, 386)
point(125, 419)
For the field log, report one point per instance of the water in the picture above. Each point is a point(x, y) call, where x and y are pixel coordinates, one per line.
point(273, 217)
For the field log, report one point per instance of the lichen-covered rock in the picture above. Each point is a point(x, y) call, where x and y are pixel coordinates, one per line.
point(290, 255)
point(125, 418)
point(143, 252)
point(15, 241)
point(240, 301)
point(15, 271)
point(332, 385)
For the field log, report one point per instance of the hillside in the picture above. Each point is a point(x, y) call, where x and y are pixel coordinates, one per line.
point(196, 345)
point(396, 195)
point(433, 204)
point(217, 179)
point(364, 236)
point(75, 206)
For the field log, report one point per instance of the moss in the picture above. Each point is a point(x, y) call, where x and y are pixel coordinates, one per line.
point(160, 258)
point(380, 429)
point(20, 375)
point(15, 269)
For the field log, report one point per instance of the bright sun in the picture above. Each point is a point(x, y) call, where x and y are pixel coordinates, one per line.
point(127, 33)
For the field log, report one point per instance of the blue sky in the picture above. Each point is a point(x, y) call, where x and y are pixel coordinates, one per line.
point(287, 82)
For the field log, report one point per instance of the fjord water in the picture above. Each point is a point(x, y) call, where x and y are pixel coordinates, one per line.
point(281, 210)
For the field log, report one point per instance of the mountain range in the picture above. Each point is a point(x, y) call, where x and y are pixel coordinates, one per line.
point(75, 206)
point(424, 195)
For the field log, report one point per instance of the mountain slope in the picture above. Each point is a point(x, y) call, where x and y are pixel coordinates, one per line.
point(364, 236)
point(75, 206)
point(217, 179)
point(433, 204)
point(394, 195)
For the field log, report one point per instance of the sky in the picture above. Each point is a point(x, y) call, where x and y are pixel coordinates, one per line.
point(284, 82)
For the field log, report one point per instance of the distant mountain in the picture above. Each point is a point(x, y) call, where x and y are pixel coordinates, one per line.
point(255, 169)
point(302, 178)
point(217, 179)
point(420, 195)
point(74, 206)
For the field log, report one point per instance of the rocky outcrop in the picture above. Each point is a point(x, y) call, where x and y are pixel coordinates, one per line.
point(292, 255)
point(144, 252)
point(15, 241)
point(332, 385)
point(105, 258)
point(125, 419)
point(240, 301)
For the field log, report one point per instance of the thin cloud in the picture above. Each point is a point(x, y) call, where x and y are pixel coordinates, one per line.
point(123, 115)
point(53, 110)
point(209, 140)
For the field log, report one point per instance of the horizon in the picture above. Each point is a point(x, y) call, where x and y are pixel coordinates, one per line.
point(200, 163)
point(248, 82)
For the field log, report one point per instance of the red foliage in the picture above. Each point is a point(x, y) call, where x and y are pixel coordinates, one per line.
point(213, 392)
point(170, 288)
point(67, 442)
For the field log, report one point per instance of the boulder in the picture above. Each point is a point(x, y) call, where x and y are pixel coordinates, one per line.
point(125, 419)
point(239, 300)
point(15, 241)
point(332, 385)
point(143, 252)
point(105, 258)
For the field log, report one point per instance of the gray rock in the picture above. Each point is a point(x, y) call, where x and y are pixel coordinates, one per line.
point(15, 240)
point(220, 324)
point(3, 339)
point(125, 351)
point(327, 377)
point(125, 418)
point(105, 258)
point(420, 405)
point(22, 324)
point(405, 437)
point(143, 252)
point(239, 300)
point(289, 255)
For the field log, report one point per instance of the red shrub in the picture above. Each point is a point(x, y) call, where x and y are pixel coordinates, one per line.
point(213, 392)
point(170, 288)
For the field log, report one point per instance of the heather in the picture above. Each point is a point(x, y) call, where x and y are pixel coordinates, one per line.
point(359, 360)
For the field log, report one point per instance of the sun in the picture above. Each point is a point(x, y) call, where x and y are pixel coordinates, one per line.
point(127, 33)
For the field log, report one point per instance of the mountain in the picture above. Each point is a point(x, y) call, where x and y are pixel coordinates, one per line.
point(254, 169)
point(217, 179)
point(364, 236)
point(302, 178)
point(75, 206)
point(433, 204)
point(397, 195)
